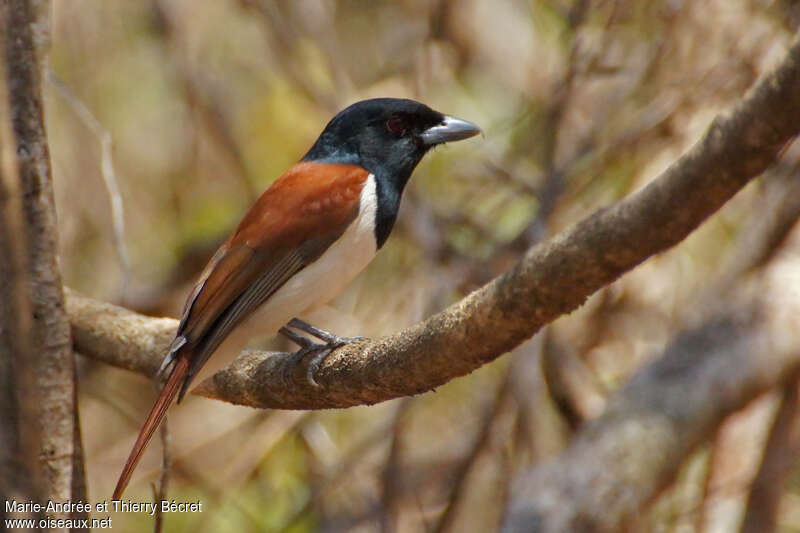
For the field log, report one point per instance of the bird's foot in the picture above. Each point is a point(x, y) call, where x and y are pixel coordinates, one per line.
point(318, 351)
point(330, 339)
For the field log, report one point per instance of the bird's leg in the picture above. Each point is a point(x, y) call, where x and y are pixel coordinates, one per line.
point(334, 341)
point(303, 342)
point(308, 347)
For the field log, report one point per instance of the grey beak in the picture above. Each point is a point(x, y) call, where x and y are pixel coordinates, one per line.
point(451, 129)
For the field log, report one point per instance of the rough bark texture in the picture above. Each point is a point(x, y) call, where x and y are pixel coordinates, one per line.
point(552, 279)
point(18, 463)
point(118, 336)
point(26, 28)
point(624, 458)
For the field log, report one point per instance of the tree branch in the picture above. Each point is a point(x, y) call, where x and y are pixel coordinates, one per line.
point(117, 336)
point(105, 141)
point(26, 31)
point(621, 460)
point(20, 477)
point(552, 279)
point(777, 465)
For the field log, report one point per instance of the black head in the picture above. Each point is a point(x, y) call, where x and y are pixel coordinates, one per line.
point(387, 136)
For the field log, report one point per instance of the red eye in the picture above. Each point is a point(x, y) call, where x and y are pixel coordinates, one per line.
point(396, 124)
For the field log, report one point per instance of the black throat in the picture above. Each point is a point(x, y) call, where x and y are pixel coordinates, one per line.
point(388, 192)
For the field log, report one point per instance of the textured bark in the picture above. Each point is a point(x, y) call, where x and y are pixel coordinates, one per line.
point(19, 471)
point(26, 28)
point(118, 336)
point(552, 278)
point(620, 461)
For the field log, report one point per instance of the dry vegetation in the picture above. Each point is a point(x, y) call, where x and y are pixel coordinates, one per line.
point(166, 117)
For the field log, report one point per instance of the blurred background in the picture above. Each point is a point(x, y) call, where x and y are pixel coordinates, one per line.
point(167, 118)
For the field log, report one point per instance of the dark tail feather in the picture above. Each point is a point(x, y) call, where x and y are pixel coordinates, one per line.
point(154, 418)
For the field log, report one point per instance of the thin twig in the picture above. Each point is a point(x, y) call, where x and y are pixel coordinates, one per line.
point(343, 469)
point(106, 169)
point(202, 98)
point(481, 443)
point(282, 35)
point(573, 387)
point(779, 462)
point(392, 470)
point(160, 492)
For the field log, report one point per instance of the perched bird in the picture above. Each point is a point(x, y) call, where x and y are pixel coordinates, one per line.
point(308, 235)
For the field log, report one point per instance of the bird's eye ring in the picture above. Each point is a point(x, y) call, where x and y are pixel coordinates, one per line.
point(397, 124)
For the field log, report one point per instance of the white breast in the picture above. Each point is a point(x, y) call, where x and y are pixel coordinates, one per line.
point(312, 287)
point(322, 280)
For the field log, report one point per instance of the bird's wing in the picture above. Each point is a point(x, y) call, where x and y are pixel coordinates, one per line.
point(289, 227)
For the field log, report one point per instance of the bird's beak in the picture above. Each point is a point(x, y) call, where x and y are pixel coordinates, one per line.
point(449, 130)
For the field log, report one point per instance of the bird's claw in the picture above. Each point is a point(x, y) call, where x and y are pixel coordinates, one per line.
point(319, 352)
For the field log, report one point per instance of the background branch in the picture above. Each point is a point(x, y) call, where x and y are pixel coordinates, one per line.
point(780, 457)
point(633, 483)
point(107, 170)
point(621, 460)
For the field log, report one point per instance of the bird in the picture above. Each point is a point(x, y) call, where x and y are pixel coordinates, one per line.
point(303, 240)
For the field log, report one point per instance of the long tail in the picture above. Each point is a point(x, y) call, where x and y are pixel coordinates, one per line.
point(154, 418)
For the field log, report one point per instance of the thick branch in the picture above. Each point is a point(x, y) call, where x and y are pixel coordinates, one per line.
point(552, 279)
point(26, 30)
point(118, 336)
point(19, 473)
